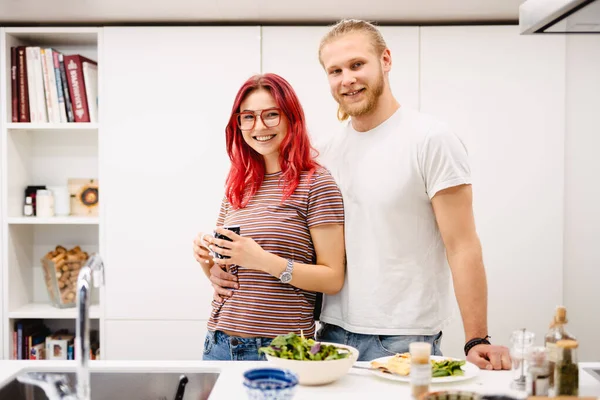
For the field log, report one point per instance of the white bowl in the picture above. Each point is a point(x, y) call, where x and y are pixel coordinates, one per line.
point(318, 372)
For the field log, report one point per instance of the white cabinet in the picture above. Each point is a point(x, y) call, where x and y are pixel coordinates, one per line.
point(582, 219)
point(49, 154)
point(167, 98)
point(292, 52)
point(504, 95)
point(154, 340)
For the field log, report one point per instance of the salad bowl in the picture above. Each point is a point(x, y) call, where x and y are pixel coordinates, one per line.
point(315, 363)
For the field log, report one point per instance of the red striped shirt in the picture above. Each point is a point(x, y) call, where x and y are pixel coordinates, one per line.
point(263, 306)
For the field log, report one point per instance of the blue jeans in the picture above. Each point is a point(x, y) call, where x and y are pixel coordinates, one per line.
point(219, 346)
point(376, 346)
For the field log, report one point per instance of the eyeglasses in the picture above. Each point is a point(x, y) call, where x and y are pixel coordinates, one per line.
point(246, 120)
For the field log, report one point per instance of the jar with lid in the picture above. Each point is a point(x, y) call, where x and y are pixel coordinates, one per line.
point(420, 368)
point(566, 373)
point(44, 203)
point(538, 372)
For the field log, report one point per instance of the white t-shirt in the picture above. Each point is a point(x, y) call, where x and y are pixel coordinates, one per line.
point(398, 281)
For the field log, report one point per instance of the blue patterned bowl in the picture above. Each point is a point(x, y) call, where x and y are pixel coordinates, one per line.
point(270, 384)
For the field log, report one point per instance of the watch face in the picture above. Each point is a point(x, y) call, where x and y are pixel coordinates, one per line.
point(286, 277)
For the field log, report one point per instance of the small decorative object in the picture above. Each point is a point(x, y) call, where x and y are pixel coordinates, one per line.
point(61, 269)
point(28, 207)
point(84, 197)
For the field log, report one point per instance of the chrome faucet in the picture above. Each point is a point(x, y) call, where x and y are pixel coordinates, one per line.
point(56, 386)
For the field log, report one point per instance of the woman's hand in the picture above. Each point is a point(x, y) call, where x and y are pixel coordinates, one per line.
point(201, 253)
point(243, 251)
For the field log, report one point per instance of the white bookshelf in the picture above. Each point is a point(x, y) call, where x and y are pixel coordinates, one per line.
point(66, 220)
point(43, 154)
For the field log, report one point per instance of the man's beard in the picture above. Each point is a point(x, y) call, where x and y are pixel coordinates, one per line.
point(364, 107)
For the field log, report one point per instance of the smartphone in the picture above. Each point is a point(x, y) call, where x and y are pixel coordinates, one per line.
point(235, 229)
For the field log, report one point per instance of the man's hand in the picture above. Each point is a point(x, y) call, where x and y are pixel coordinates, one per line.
point(221, 280)
point(490, 357)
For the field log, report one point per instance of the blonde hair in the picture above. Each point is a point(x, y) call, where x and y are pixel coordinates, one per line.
point(345, 27)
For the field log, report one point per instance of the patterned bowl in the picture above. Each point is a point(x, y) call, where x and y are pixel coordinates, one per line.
point(270, 384)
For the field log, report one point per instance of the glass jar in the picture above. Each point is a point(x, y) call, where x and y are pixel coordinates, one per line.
point(44, 203)
point(538, 372)
point(420, 368)
point(566, 373)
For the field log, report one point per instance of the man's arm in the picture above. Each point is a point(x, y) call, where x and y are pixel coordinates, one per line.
point(454, 214)
point(453, 208)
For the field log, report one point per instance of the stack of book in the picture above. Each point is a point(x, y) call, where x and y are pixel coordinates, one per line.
point(48, 86)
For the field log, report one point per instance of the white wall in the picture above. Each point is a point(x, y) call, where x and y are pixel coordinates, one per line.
point(582, 196)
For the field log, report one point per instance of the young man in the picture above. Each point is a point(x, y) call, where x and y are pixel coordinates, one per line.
point(406, 184)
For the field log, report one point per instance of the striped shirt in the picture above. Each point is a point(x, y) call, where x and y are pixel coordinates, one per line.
point(263, 306)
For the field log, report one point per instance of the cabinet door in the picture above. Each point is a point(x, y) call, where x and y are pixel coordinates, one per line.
point(166, 100)
point(162, 340)
point(292, 52)
point(504, 95)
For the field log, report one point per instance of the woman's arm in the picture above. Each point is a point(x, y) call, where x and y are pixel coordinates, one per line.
point(326, 276)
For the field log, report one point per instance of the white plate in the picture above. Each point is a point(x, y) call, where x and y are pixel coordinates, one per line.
point(470, 371)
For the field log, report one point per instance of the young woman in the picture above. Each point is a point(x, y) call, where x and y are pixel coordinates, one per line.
point(290, 212)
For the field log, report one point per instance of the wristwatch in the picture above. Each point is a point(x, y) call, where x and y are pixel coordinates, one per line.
point(286, 276)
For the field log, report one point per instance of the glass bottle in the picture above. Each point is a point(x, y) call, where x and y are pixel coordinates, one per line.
point(557, 332)
point(566, 374)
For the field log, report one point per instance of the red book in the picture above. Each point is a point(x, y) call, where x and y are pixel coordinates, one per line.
point(14, 94)
point(23, 89)
point(74, 69)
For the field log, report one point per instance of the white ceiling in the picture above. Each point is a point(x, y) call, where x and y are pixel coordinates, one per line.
point(255, 11)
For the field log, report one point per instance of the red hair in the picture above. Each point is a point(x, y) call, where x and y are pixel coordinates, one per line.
point(296, 154)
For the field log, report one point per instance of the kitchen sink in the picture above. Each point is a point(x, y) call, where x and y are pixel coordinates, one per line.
point(125, 385)
point(595, 372)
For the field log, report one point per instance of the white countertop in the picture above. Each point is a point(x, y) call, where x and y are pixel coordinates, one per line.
point(358, 384)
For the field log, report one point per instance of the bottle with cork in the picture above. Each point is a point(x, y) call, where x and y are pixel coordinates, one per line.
point(420, 368)
point(556, 333)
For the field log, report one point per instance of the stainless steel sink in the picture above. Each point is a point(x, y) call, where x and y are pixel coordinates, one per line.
point(595, 372)
point(126, 386)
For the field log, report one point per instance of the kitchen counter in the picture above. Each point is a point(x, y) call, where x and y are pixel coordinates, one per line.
point(358, 384)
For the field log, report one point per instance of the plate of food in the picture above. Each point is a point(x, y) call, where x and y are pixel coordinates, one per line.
point(444, 369)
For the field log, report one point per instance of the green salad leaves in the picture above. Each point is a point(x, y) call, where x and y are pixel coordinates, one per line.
point(294, 347)
point(447, 368)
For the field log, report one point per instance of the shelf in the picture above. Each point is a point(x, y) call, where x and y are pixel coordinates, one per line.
point(47, 311)
point(45, 126)
point(56, 36)
point(53, 220)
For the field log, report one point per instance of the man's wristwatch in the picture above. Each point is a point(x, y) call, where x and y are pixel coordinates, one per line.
point(286, 276)
point(474, 342)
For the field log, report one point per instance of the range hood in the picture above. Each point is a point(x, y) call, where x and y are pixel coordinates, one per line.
point(559, 16)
